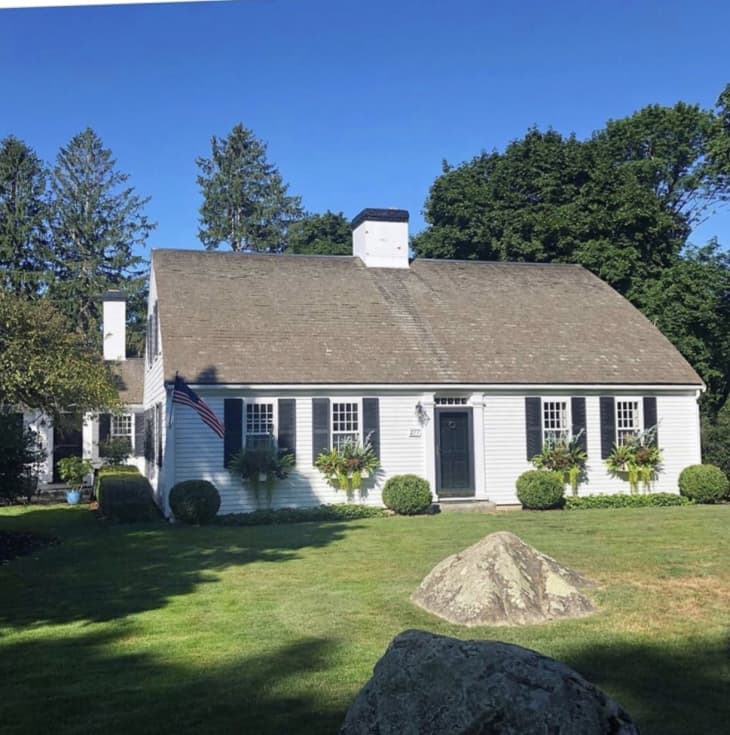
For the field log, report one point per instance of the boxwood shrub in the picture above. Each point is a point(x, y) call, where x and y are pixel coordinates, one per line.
point(124, 495)
point(703, 483)
point(195, 501)
point(625, 501)
point(407, 495)
point(540, 490)
point(110, 470)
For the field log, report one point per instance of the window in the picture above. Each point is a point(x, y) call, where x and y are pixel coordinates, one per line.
point(259, 424)
point(555, 423)
point(628, 420)
point(121, 426)
point(345, 423)
point(450, 401)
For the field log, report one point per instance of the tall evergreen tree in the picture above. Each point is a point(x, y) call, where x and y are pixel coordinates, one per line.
point(97, 224)
point(23, 213)
point(245, 200)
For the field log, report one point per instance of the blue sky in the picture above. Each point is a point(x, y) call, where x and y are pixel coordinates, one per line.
point(358, 101)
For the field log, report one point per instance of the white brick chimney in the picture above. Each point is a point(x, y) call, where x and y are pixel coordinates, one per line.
point(380, 238)
point(115, 325)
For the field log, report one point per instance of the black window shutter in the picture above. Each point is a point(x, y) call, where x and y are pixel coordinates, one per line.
point(287, 429)
point(371, 422)
point(158, 434)
point(320, 426)
point(608, 425)
point(578, 417)
point(156, 332)
point(139, 433)
point(233, 425)
point(650, 416)
point(149, 433)
point(105, 422)
point(533, 426)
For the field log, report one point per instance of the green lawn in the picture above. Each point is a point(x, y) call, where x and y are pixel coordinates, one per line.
point(159, 629)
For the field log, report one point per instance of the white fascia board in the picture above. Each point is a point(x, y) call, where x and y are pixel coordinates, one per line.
point(451, 387)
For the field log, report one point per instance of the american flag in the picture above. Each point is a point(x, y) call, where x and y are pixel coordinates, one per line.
point(186, 396)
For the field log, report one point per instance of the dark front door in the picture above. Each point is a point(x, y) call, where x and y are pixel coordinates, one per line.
point(66, 440)
point(454, 453)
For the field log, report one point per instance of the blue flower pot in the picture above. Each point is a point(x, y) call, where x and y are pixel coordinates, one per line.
point(73, 497)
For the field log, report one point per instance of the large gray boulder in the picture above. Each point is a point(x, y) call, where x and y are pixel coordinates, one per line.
point(501, 580)
point(428, 684)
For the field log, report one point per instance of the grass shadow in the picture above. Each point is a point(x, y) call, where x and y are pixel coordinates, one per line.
point(105, 571)
point(83, 684)
point(664, 687)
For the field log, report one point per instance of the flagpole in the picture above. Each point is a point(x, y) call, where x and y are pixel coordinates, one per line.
point(170, 404)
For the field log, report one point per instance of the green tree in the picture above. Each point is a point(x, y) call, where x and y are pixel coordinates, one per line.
point(245, 200)
point(44, 365)
point(621, 203)
point(97, 224)
point(321, 234)
point(690, 303)
point(23, 215)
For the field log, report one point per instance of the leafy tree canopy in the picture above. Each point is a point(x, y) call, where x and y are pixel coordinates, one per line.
point(245, 200)
point(321, 234)
point(23, 218)
point(622, 204)
point(97, 222)
point(45, 366)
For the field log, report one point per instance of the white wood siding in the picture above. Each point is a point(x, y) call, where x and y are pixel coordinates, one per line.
point(154, 392)
point(505, 448)
point(199, 455)
point(679, 438)
point(407, 447)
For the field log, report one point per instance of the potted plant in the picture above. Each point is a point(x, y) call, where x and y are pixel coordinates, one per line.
point(637, 459)
point(346, 466)
point(262, 464)
point(73, 471)
point(566, 458)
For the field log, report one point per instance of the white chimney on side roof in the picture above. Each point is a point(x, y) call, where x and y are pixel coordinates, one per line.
point(115, 325)
point(380, 238)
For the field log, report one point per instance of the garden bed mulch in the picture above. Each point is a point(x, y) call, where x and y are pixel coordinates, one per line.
point(22, 543)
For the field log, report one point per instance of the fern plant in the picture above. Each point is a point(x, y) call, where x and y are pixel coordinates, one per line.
point(564, 456)
point(344, 467)
point(637, 459)
point(264, 463)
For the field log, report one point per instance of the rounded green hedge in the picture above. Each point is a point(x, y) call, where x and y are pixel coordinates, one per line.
point(195, 501)
point(703, 483)
point(540, 490)
point(407, 495)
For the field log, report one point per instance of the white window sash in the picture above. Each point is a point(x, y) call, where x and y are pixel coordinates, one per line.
point(550, 433)
point(261, 401)
point(336, 437)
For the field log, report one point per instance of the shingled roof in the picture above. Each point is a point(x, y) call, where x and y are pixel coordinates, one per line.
point(251, 319)
point(129, 379)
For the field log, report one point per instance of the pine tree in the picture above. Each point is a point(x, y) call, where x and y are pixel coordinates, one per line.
point(23, 211)
point(97, 223)
point(245, 201)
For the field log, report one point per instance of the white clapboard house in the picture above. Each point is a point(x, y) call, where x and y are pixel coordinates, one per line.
point(458, 371)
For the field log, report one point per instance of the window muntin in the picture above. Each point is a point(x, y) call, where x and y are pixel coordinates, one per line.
point(260, 420)
point(121, 426)
point(345, 423)
point(628, 419)
point(555, 421)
